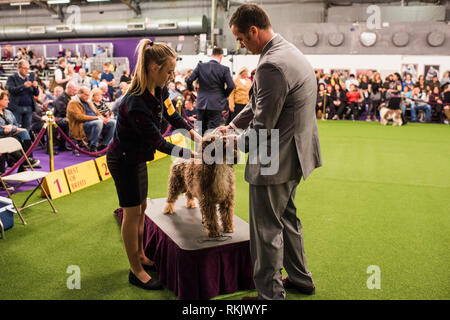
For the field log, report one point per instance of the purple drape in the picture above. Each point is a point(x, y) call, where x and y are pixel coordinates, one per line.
point(197, 274)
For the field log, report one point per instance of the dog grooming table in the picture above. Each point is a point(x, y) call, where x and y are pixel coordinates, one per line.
point(190, 263)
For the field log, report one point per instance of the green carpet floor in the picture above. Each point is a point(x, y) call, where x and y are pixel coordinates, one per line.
point(381, 198)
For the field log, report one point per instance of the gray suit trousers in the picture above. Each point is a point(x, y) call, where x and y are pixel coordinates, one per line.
point(276, 239)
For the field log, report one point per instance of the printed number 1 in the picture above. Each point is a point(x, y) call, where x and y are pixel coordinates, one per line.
point(59, 187)
point(106, 169)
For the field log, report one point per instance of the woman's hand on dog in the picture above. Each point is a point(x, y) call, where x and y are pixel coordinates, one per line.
point(194, 154)
point(195, 136)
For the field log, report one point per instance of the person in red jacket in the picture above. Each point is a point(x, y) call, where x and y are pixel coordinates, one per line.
point(354, 98)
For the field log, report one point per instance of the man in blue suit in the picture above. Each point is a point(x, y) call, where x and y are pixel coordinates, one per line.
point(22, 90)
point(215, 85)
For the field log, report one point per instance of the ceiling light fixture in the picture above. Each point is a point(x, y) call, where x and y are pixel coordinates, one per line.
point(14, 4)
point(58, 1)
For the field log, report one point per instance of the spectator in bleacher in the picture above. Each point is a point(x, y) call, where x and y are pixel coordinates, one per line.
point(421, 82)
point(364, 91)
point(435, 101)
point(82, 79)
point(445, 79)
point(180, 87)
point(99, 51)
point(78, 64)
point(98, 102)
point(239, 97)
point(95, 80)
point(106, 97)
point(33, 61)
point(354, 99)
point(335, 79)
point(394, 92)
point(434, 82)
point(407, 101)
point(84, 58)
point(2, 70)
point(173, 93)
point(60, 112)
point(375, 96)
point(7, 53)
point(408, 81)
point(189, 106)
point(87, 124)
point(323, 100)
point(338, 103)
point(61, 78)
point(108, 76)
point(123, 86)
point(22, 88)
point(70, 71)
point(125, 76)
point(51, 97)
point(325, 79)
point(351, 80)
point(420, 99)
point(39, 119)
point(10, 128)
point(215, 85)
point(446, 101)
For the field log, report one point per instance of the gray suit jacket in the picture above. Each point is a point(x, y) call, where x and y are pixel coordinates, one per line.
point(283, 96)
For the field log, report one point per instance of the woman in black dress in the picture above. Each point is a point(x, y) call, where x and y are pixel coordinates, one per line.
point(136, 138)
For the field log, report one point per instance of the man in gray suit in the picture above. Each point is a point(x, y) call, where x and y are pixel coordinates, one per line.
point(282, 98)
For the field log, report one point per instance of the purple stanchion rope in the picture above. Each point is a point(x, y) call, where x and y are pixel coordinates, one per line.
point(78, 148)
point(169, 129)
point(22, 159)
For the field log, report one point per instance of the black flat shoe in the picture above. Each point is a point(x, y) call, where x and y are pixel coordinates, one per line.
point(151, 284)
point(149, 268)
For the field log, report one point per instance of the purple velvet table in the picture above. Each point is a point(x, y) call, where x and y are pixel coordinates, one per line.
point(195, 269)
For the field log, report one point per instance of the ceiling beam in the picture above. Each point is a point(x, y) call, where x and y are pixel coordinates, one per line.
point(133, 5)
point(49, 8)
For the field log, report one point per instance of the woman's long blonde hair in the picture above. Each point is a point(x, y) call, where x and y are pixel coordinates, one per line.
point(148, 52)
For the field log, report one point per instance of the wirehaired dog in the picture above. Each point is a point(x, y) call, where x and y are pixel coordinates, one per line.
point(210, 179)
point(387, 114)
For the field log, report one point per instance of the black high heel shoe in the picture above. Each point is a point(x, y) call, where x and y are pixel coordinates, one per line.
point(152, 284)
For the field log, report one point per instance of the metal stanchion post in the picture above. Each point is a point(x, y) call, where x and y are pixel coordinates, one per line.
point(50, 123)
point(180, 104)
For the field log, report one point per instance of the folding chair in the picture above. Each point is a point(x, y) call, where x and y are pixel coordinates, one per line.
point(2, 230)
point(9, 145)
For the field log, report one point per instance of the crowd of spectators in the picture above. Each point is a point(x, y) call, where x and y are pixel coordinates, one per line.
point(94, 97)
point(344, 96)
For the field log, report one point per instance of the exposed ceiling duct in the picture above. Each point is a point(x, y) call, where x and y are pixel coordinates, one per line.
point(121, 28)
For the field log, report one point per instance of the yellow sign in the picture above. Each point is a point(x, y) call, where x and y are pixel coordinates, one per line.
point(55, 184)
point(81, 175)
point(102, 168)
point(169, 106)
point(179, 140)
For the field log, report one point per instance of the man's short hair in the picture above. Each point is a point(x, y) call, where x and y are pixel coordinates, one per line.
point(61, 60)
point(22, 62)
point(248, 15)
point(84, 89)
point(71, 84)
point(58, 88)
point(217, 51)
